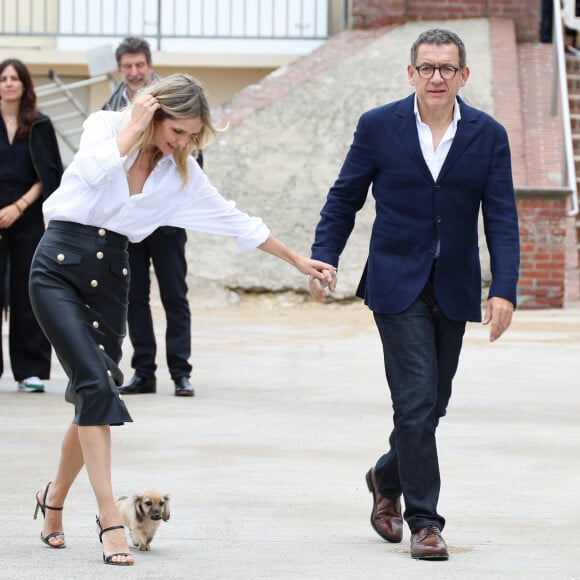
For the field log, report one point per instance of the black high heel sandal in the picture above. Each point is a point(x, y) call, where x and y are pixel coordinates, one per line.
point(42, 507)
point(109, 559)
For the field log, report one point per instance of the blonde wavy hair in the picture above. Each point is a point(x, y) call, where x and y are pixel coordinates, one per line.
point(180, 97)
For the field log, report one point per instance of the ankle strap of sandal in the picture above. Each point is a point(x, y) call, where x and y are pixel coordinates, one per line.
point(48, 507)
point(109, 529)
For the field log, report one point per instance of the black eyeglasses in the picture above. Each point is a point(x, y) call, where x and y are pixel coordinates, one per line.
point(447, 72)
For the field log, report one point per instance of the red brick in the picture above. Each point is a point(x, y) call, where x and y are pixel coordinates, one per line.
point(524, 13)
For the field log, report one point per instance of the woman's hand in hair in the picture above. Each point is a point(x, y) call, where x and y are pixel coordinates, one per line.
point(143, 109)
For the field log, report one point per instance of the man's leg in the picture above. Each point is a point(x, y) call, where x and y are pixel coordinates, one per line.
point(411, 342)
point(411, 368)
point(167, 247)
point(139, 319)
point(421, 350)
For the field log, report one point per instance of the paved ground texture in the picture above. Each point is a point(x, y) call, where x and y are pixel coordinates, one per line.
point(265, 466)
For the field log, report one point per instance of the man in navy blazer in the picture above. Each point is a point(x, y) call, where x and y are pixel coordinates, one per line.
point(433, 162)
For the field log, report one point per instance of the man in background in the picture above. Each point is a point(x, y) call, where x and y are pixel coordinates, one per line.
point(165, 248)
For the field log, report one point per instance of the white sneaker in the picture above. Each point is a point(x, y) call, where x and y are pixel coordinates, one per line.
point(31, 385)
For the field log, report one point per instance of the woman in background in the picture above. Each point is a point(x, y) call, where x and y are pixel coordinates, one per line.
point(30, 170)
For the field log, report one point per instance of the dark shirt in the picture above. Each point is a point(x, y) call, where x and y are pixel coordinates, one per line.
point(17, 173)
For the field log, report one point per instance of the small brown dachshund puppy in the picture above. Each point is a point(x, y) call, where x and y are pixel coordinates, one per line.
point(142, 515)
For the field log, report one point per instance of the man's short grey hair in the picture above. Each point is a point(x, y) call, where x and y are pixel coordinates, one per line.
point(439, 36)
point(133, 45)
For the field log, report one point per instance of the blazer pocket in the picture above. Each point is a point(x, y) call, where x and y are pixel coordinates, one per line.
point(381, 278)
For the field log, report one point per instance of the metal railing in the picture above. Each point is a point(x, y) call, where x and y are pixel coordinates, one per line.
point(160, 19)
point(560, 98)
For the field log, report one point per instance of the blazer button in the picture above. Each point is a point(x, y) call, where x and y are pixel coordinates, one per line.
point(439, 219)
point(95, 324)
point(125, 272)
point(102, 232)
point(60, 257)
point(433, 250)
point(437, 187)
point(100, 255)
point(94, 283)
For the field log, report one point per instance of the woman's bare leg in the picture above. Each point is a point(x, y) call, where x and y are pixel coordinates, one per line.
point(70, 463)
point(96, 448)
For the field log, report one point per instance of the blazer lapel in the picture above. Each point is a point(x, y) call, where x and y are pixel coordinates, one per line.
point(406, 127)
point(466, 131)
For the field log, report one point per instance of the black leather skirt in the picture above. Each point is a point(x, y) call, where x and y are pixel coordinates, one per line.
point(79, 284)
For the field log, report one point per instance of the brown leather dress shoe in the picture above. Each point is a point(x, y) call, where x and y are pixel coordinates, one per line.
point(386, 517)
point(428, 544)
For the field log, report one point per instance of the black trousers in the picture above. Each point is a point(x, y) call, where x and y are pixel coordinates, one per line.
point(79, 282)
point(30, 350)
point(165, 248)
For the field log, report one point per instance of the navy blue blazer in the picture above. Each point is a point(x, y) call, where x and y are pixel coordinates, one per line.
point(414, 212)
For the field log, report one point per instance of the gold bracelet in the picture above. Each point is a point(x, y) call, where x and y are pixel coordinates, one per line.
point(25, 201)
point(18, 208)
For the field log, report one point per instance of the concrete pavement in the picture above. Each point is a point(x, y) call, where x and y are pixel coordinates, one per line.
point(265, 466)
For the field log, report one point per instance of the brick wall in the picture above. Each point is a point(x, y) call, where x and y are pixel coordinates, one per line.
point(549, 259)
point(525, 13)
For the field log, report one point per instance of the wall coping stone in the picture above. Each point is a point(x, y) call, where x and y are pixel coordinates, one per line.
point(542, 192)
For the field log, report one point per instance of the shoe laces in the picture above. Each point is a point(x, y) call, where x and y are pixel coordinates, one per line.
point(430, 530)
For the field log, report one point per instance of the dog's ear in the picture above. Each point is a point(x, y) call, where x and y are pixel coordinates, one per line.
point(138, 503)
point(166, 512)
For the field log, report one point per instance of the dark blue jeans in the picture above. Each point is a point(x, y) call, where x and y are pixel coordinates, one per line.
point(421, 350)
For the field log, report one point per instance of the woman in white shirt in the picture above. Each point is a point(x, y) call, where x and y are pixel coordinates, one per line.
point(133, 173)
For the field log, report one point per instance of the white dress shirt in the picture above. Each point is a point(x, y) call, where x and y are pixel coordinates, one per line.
point(94, 191)
point(434, 158)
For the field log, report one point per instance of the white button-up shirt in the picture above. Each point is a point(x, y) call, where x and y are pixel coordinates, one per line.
point(436, 157)
point(94, 191)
